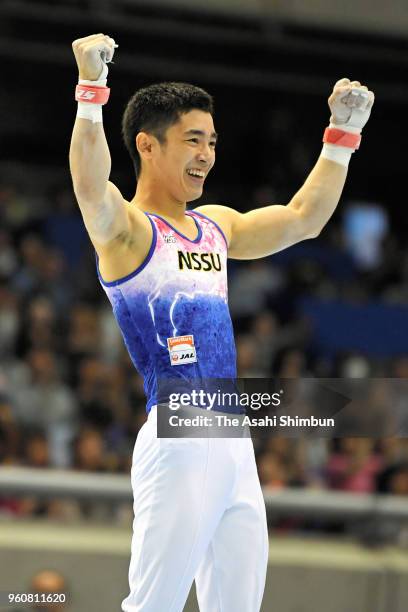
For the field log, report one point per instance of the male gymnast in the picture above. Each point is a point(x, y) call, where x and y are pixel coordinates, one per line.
point(199, 512)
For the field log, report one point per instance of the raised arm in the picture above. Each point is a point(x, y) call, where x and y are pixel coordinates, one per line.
point(103, 208)
point(272, 228)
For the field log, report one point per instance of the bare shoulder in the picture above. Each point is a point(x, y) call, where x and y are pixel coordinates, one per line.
point(129, 248)
point(224, 216)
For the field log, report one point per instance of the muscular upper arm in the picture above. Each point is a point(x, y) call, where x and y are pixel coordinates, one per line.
point(259, 232)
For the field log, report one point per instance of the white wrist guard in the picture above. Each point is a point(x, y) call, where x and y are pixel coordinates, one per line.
point(93, 110)
point(340, 155)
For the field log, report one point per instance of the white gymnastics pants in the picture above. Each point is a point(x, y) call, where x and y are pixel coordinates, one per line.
point(199, 514)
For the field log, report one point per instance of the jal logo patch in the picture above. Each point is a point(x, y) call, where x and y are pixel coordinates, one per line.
point(181, 350)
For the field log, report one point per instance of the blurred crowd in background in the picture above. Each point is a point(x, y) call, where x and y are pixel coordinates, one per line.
point(70, 397)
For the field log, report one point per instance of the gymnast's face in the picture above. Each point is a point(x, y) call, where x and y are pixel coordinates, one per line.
point(184, 160)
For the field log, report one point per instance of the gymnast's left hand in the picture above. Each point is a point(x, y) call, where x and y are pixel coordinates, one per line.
point(350, 104)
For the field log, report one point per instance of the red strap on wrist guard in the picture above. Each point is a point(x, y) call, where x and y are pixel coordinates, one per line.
point(92, 94)
point(341, 138)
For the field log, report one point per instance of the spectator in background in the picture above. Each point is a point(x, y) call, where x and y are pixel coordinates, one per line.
point(394, 452)
point(394, 479)
point(38, 328)
point(248, 364)
point(49, 581)
point(399, 393)
point(271, 337)
point(9, 321)
point(54, 280)
point(35, 452)
point(91, 388)
point(49, 403)
point(88, 452)
point(111, 342)
point(9, 450)
point(90, 455)
point(354, 366)
point(365, 226)
point(18, 210)
point(84, 331)
point(9, 433)
point(63, 226)
point(291, 363)
point(272, 475)
point(103, 396)
point(394, 287)
point(286, 452)
point(249, 289)
point(32, 255)
point(264, 330)
point(313, 455)
point(8, 256)
point(354, 468)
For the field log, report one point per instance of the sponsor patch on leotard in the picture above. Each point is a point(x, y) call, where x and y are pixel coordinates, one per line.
point(181, 350)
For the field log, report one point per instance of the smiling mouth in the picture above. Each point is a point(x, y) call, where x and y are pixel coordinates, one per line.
point(197, 176)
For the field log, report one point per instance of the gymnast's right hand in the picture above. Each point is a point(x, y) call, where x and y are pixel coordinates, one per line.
point(92, 53)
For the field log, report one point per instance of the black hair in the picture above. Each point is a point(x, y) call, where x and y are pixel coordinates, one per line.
point(155, 108)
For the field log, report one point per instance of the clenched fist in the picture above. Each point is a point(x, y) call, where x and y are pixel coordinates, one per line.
point(92, 53)
point(350, 104)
